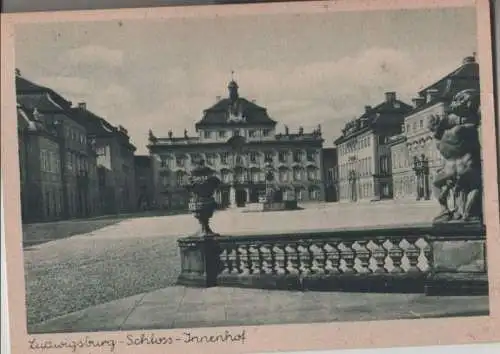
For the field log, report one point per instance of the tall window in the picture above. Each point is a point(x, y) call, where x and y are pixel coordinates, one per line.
point(252, 133)
point(211, 157)
point(297, 156)
point(266, 132)
point(163, 162)
point(226, 176)
point(283, 175)
point(181, 178)
point(253, 156)
point(207, 134)
point(180, 160)
point(311, 155)
point(283, 156)
point(224, 157)
point(297, 173)
point(311, 174)
point(222, 134)
point(269, 156)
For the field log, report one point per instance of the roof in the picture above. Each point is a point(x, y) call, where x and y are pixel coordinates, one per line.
point(34, 94)
point(96, 125)
point(457, 80)
point(373, 117)
point(243, 111)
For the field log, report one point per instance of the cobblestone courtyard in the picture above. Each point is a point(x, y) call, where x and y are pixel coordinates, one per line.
point(129, 258)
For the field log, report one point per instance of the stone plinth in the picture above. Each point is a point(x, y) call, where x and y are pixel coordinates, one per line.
point(199, 261)
point(458, 262)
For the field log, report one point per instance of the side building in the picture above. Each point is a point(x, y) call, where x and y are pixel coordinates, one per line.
point(294, 158)
point(57, 160)
point(364, 156)
point(414, 153)
point(115, 161)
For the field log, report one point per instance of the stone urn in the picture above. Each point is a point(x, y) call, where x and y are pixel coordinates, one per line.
point(202, 185)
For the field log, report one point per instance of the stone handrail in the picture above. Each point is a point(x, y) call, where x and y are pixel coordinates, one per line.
point(378, 259)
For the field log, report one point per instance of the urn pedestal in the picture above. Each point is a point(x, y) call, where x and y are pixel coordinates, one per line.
point(458, 263)
point(199, 262)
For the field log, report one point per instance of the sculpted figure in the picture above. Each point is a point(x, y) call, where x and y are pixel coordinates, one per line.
point(457, 139)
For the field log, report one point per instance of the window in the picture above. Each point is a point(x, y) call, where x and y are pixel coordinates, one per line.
point(311, 155)
point(211, 159)
point(224, 157)
point(255, 175)
point(226, 176)
point(269, 156)
point(283, 156)
point(414, 126)
point(297, 156)
point(252, 133)
point(207, 134)
point(297, 173)
point(313, 194)
point(222, 134)
point(69, 161)
point(283, 175)
point(180, 177)
point(266, 132)
point(164, 181)
point(163, 162)
point(311, 174)
point(407, 128)
point(421, 123)
point(253, 156)
point(180, 161)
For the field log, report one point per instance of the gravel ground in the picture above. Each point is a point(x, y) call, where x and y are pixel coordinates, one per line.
point(111, 263)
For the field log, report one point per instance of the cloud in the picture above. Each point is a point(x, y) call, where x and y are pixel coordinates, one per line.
point(67, 85)
point(92, 54)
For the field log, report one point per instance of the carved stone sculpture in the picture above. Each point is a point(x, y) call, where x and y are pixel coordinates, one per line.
point(460, 178)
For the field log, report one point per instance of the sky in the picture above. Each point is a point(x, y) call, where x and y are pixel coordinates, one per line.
point(306, 69)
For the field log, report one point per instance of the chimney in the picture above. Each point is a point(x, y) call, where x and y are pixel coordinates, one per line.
point(368, 108)
point(82, 105)
point(418, 101)
point(390, 96)
point(468, 60)
point(431, 95)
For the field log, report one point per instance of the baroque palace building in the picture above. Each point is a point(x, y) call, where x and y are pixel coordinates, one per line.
point(295, 159)
point(414, 154)
point(364, 159)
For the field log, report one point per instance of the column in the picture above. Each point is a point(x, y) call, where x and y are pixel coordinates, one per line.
point(232, 197)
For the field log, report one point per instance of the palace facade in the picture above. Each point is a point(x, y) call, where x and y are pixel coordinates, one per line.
point(364, 159)
point(295, 159)
point(414, 153)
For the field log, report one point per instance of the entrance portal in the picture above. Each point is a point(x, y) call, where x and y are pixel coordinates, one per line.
point(241, 197)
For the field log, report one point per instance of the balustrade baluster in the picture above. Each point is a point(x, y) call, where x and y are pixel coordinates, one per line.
point(233, 259)
point(279, 259)
point(318, 256)
point(379, 254)
point(363, 254)
point(292, 255)
point(396, 254)
point(332, 258)
point(266, 259)
point(225, 261)
point(347, 254)
point(305, 258)
point(255, 259)
point(427, 251)
point(412, 252)
point(245, 260)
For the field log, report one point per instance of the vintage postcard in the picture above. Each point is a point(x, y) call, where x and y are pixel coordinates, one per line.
point(250, 178)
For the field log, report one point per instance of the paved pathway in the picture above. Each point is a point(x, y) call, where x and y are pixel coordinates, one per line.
point(180, 307)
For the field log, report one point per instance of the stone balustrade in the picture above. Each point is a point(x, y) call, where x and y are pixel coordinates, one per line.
point(382, 259)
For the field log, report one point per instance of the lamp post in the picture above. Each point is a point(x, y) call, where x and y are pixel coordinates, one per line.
point(425, 177)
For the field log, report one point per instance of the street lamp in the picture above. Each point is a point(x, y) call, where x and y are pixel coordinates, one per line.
point(417, 167)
